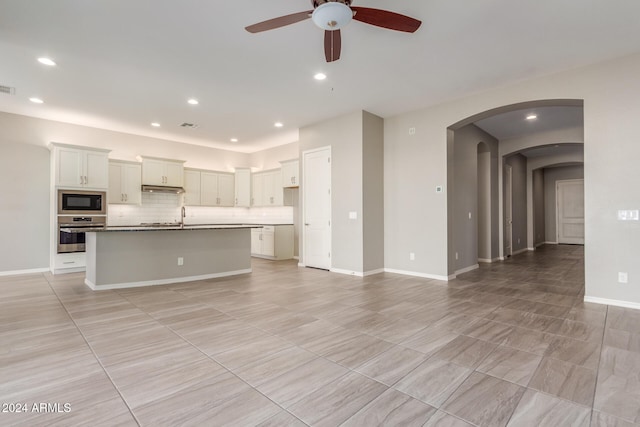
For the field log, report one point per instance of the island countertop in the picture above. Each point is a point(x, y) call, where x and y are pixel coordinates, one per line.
point(178, 227)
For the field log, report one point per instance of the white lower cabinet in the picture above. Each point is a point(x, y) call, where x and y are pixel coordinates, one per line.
point(272, 242)
point(69, 263)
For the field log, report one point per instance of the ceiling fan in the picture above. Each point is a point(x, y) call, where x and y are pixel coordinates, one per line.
point(332, 15)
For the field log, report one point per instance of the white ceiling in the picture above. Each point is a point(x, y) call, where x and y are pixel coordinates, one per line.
point(125, 63)
point(515, 124)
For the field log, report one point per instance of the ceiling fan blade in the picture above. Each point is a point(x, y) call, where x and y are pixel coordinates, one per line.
point(279, 22)
point(332, 45)
point(386, 19)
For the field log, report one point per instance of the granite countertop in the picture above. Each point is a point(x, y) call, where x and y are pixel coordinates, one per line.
point(177, 227)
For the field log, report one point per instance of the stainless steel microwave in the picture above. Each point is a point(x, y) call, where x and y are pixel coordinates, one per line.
point(77, 202)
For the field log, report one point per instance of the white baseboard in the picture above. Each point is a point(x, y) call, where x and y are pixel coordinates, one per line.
point(519, 251)
point(301, 265)
point(372, 272)
point(416, 274)
point(347, 272)
point(488, 260)
point(550, 243)
point(164, 281)
point(23, 272)
point(540, 244)
point(614, 302)
point(296, 257)
point(467, 269)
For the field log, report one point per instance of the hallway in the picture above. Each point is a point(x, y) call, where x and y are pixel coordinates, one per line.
point(509, 344)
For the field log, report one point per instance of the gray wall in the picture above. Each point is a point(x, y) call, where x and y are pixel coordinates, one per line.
point(551, 175)
point(415, 164)
point(373, 192)
point(539, 225)
point(344, 135)
point(518, 165)
point(24, 206)
point(357, 169)
point(465, 194)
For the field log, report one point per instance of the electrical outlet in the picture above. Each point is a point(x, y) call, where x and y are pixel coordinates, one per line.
point(518, 240)
point(412, 131)
point(180, 260)
point(439, 189)
point(623, 277)
point(412, 256)
point(456, 255)
point(469, 215)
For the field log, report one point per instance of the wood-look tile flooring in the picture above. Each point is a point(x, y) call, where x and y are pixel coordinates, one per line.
point(512, 343)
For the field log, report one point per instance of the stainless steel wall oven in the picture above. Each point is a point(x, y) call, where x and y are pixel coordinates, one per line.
point(74, 239)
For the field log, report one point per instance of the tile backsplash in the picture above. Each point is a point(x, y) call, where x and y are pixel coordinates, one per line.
point(165, 207)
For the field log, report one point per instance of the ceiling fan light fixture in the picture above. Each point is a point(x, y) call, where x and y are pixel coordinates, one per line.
point(332, 16)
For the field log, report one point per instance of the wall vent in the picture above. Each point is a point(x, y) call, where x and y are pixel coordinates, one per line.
point(8, 90)
point(189, 125)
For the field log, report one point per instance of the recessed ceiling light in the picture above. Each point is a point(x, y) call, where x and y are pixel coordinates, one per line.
point(278, 124)
point(532, 117)
point(36, 100)
point(234, 139)
point(155, 124)
point(320, 76)
point(47, 61)
point(193, 101)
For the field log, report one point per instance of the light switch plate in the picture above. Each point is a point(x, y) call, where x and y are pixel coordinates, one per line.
point(439, 189)
point(628, 215)
point(353, 215)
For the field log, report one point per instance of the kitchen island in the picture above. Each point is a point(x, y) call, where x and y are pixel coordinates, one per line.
point(125, 257)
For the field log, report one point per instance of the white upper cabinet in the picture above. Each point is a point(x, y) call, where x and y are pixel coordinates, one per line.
point(267, 188)
point(226, 189)
point(191, 187)
point(164, 172)
point(80, 167)
point(243, 187)
point(208, 188)
point(290, 173)
point(125, 181)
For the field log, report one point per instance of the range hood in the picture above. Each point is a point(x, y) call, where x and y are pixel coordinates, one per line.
point(161, 189)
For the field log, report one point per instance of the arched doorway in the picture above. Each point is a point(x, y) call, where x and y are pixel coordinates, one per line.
point(465, 230)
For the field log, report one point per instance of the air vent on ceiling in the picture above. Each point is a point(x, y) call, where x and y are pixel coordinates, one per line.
point(189, 125)
point(8, 90)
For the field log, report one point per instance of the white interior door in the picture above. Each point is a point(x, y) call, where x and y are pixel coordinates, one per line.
point(508, 214)
point(570, 211)
point(317, 208)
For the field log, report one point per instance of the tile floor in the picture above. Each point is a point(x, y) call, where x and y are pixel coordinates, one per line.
point(509, 344)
